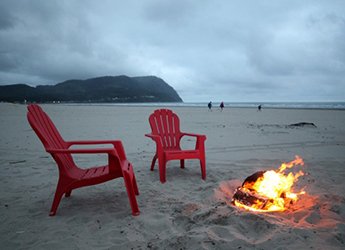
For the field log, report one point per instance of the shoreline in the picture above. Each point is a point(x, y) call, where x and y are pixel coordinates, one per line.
point(195, 105)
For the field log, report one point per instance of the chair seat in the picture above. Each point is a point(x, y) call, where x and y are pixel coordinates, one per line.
point(94, 172)
point(182, 154)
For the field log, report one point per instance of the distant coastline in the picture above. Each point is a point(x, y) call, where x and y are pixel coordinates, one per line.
point(265, 105)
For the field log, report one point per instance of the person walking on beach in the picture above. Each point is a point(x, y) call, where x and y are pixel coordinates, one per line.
point(209, 106)
point(221, 106)
point(259, 107)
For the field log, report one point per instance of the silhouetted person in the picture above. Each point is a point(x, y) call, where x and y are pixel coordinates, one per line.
point(209, 105)
point(259, 107)
point(221, 106)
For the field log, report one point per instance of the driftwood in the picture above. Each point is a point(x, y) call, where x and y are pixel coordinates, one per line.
point(303, 124)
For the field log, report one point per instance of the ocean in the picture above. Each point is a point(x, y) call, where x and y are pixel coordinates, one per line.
point(280, 105)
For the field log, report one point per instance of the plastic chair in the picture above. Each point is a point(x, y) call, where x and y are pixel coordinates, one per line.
point(165, 126)
point(70, 175)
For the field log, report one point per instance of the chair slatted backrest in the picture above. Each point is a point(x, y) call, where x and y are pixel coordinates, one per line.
point(48, 134)
point(166, 124)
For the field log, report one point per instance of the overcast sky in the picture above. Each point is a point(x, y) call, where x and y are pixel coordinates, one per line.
point(258, 50)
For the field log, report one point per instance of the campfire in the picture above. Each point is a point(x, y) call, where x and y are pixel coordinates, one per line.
point(269, 191)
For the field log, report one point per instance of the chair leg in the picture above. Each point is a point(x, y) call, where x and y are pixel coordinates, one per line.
point(68, 193)
point(203, 168)
point(162, 170)
point(57, 198)
point(182, 163)
point(131, 194)
point(135, 186)
point(153, 162)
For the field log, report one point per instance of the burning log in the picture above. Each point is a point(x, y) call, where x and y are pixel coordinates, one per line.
point(249, 198)
point(253, 178)
point(270, 190)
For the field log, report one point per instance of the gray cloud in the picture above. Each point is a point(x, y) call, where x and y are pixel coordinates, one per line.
point(207, 50)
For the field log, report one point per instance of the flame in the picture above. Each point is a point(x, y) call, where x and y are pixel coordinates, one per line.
point(273, 191)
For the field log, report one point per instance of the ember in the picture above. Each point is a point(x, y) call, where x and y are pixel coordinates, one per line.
point(268, 191)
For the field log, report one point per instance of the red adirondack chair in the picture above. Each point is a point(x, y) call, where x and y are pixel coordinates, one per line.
point(70, 175)
point(165, 126)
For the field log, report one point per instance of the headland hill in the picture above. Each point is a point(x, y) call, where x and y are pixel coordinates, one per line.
point(105, 89)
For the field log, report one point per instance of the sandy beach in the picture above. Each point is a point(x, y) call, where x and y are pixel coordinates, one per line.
point(185, 212)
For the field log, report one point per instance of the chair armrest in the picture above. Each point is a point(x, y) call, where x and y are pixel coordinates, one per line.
point(81, 151)
point(113, 158)
point(116, 143)
point(70, 143)
point(195, 135)
point(157, 139)
point(200, 140)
